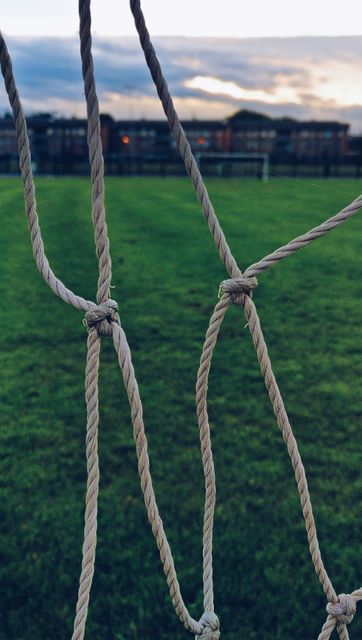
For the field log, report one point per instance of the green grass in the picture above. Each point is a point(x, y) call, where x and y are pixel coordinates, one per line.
point(166, 276)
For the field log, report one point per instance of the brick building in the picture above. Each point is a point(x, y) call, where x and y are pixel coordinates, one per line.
point(59, 145)
point(286, 137)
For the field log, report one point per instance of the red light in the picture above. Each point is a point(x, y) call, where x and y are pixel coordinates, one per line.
point(125, 139)
point(201, 140)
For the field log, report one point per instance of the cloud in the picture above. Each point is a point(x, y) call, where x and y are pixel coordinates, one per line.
point(212, 85)
point(318, 78)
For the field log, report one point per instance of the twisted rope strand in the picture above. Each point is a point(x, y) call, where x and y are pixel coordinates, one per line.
point(125, 362)
point(90, 517)
point(182, 143)
point(98, 321)
point(300, 242)
point(342, 632)
point(328, 628)
point(206, 451)
point(41, 260)
point(291, 443)
point(95, 154)
point(193, 171)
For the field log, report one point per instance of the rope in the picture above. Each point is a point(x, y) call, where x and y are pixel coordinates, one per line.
point(125, 362)
point(102, 319)
point(95, 154)
point(192, 170)
point(340, 613)
point(205, 440)
point(41, 260)
point(99, 320)
point(182, 143)
point(238, 291)
point(307, 238)
point(90, 528)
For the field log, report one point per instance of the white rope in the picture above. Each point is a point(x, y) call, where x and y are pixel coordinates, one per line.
point(102, 320)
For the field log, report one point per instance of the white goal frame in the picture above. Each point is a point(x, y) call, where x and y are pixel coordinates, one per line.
point(264, 157)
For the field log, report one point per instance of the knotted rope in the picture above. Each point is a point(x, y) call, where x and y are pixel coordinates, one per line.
point(211, 627)
point(341, 612)
point(237, 288)
point(102, 317)
point(102, 320)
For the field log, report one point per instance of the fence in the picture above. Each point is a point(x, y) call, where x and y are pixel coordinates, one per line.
point(171, 165)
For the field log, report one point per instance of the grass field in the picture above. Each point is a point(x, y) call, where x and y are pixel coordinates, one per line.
point(166, 276)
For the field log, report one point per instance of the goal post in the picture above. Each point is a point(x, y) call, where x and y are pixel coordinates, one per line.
point(220, 159)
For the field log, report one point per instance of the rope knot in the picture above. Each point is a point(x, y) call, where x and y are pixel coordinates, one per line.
point(344, 609)
point(211, 626)
point(102, 316)
point(237, 288)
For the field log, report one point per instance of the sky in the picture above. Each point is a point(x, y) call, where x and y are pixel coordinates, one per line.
point(200, 18)
point(281, 58)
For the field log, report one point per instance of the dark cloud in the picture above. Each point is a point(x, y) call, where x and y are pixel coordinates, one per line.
point(46, 66)
point(48, 72)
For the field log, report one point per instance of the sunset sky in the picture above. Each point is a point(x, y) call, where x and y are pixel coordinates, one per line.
point(282, 58)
